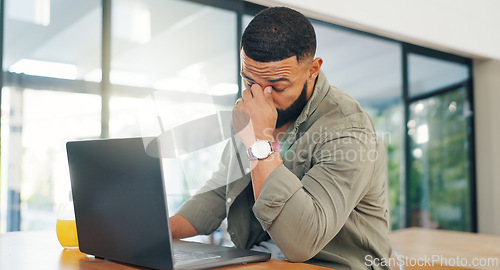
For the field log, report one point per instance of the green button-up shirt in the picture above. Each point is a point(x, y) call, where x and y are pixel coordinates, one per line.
point(327, 203)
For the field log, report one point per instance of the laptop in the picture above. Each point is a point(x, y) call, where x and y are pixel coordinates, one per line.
point(121, 209)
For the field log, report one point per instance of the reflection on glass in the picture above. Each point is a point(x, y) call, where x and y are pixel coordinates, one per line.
point(440, 181)
point(60, 39)
point(183, 63)
point(428, 73)
point(174, 46)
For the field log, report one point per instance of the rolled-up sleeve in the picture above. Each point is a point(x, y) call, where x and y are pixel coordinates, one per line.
point(205, 211)
point(304, 215)
point(283, 184)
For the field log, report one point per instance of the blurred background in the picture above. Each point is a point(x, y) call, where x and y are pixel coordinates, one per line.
point(75, 69)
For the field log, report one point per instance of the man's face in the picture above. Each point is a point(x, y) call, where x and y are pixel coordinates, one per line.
point(293, 111)
point(289, 79)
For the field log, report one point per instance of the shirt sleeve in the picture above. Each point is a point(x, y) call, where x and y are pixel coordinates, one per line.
point(303, 215)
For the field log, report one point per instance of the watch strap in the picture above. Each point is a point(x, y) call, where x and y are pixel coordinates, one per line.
point(250, 154)
point(275, 146)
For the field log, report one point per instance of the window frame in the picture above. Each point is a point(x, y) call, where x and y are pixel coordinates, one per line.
point(408, 49)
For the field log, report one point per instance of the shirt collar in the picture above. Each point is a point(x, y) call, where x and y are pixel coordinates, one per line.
point(312, 104)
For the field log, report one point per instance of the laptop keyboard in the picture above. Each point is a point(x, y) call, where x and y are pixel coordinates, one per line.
point(186, 256)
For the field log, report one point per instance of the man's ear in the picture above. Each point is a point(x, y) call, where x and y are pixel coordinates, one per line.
point(314, 68)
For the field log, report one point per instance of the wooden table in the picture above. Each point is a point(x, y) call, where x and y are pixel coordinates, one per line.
point(40, 250)
point(448, 246)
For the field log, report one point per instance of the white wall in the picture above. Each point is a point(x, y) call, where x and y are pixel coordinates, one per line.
point(487, 118)
point(465, 27)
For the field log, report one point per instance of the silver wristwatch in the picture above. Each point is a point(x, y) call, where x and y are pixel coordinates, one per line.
point(261, 149)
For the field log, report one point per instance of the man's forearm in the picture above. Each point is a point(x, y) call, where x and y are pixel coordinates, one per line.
point(181, 228)
point(262, 169)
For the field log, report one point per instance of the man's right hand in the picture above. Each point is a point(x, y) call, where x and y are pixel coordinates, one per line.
point(181, 228)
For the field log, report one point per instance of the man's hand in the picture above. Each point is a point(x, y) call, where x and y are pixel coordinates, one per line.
point(181, 228)
point(254, 116)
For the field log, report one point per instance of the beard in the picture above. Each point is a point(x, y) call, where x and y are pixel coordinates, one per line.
point(293, 111)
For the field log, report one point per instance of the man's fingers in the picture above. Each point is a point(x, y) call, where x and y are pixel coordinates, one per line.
point(268, 95)
point(246, 94)
point(257, 91)
point(259, 94)
point(238, 101)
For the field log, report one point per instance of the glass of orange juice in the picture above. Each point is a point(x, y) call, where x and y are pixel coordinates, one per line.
point(66, 226)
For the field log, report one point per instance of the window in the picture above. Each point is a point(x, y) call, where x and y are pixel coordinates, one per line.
point(48, 98)
point(440, 161)
point(427, 74)
point(172, 62)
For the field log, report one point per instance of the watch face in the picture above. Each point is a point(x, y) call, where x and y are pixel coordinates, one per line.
point(261, 149)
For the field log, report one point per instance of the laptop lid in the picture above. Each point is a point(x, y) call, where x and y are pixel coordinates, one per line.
point(119, 200)
point(121, 208)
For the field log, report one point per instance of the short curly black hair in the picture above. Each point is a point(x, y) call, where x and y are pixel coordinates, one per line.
point(278, 33)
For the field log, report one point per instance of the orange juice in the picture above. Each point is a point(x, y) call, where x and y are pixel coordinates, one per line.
point(66, 233)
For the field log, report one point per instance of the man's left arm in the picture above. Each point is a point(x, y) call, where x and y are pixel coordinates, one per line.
point(303, 215)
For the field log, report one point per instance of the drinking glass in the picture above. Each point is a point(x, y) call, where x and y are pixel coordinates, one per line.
point(66, 225)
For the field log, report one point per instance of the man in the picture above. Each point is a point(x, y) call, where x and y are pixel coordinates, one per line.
point(322, 198)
